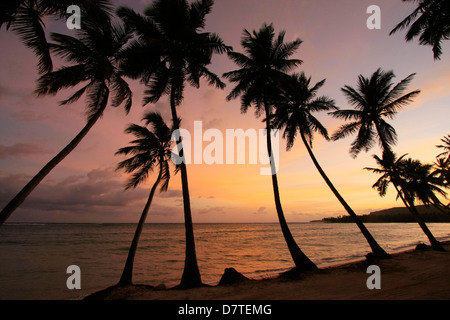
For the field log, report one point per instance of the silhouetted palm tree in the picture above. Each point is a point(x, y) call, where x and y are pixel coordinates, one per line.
point(400, 173)
point(294, 112)
point(151, 149)
point(423, 183)
point(445, 146)
point(93, 62)
point(170, 50)
point(26, 18)
point(442, 170)
point(430, 21)
point(263, 70)
point(375, 99)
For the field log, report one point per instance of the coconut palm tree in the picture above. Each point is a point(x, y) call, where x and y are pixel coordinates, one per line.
point(375, 99)
point(424, 184)
point(442, 171)
point(26, 18)
point(92, 56)
point(445, 146)
point(263, 69)
point(294, 112)
point(400, 173)
point(430, 22)
point(151, 149)
point(171, 49)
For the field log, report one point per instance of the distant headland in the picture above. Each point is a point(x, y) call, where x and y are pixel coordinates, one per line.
point(398, 214)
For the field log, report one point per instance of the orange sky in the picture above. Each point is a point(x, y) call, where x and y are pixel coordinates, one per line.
point(336, 45)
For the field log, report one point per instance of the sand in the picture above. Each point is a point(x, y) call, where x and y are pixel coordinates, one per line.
point(411, 274)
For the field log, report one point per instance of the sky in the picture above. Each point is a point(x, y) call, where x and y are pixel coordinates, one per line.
point(337, 46)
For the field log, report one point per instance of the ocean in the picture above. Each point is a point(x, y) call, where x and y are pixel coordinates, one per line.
point(34, 256)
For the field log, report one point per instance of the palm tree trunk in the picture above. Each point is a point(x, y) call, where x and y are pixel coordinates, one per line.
point(34, 182)
point(127, 274)
point(409, 203)
point(191, 274)
point(302, 262)
point(385, 148)
point(376, 248)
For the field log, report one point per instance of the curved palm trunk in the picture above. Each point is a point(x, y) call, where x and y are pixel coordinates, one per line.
point(127, 274)
point(409, 203)
point(376, 248)
point(191, 273)
point(34, 182)
point(302, 262)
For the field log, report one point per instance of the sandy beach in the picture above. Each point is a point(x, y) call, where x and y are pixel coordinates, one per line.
point(411, 274)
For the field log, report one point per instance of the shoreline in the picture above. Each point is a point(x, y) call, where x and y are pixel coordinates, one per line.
point(408, 274)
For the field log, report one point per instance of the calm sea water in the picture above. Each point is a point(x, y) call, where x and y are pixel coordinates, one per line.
point(34, 257)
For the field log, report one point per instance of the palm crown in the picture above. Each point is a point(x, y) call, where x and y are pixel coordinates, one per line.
point(295, 107)
point(375, 99)
point(151, 148)
point(445, 146)
point(263, 66)
point(26, 18)
point(442, 170)
point(430, 22)
point(169, 49)
point(422, 182)
point(414, 180)
point(93, 57)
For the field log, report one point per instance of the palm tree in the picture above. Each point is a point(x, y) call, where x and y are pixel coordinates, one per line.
point(375, 99)
point(93, 60)
point(445, 146)
point(263, 70)
point(431, 21)
point(442, 171)
point(26, 18)
point(400, 173)
point(170, 50)
point(151, 149)
point(294, 112)
point(424, 184)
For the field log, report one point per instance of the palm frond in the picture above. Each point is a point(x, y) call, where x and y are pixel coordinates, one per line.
point(346, 130)
point(65, 77)
point(30, 27)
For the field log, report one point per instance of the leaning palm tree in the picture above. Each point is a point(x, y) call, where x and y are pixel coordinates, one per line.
point(424, 184)
point(375, 99)
point(93, 63)
point(430, 22)
point(400, 174)
point(171, 49)
point(151, 149)
point(445, 146)
point(294, 112)
point(263, 71)
point(26, 18)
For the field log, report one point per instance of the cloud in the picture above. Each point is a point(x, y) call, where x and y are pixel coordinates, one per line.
point(96, 196)
point(211, 210)
point(261, 210)
point(100, 192)
point(171, 193)
point(205, 197)
point(21, 149)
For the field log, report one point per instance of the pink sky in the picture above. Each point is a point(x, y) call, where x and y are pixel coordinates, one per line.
point(337, 46)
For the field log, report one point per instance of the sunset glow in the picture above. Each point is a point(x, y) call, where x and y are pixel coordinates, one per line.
point(337, 46)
